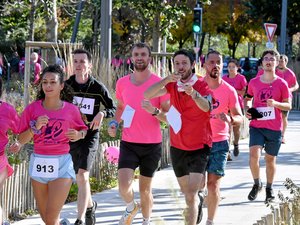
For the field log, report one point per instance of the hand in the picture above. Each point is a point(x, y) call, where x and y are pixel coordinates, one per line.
point(146, 105)
point(225, 117)
point(73, 135)
point(15, 147)
point(174, 77)
point(189, 90)
point(271, 103)
point(41, 121)
point(97, 121)
point(112, 131)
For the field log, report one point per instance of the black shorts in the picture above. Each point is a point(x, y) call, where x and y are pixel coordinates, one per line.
point(83, 151)
point(146, 156)
point(186, 162)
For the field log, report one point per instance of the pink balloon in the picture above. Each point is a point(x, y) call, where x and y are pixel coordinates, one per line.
point(112, 154)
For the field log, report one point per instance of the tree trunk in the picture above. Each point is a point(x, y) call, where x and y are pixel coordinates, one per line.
point(31, 20)
point(96, 27)
point(156, 34)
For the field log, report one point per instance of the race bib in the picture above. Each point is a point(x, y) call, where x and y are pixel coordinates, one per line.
point(86, 105)
point(45, 167)
point(268, 113)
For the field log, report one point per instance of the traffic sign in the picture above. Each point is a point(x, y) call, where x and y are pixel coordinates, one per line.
point(270, 30)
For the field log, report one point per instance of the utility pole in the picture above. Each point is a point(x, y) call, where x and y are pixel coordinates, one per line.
point(105, 43)
point(77, 20)
point(283, 26)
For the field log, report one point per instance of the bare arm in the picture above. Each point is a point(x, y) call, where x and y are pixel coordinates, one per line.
point(295, 87)
point(284, 105)
point(158, 89)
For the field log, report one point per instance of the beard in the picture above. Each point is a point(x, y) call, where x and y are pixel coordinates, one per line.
point(214, 73)
point(140, 67)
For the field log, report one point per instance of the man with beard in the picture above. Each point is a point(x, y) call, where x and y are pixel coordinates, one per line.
point(141, 135)
point(270, 96)
point(225, 112)
point(190, 131)
point(290, 77)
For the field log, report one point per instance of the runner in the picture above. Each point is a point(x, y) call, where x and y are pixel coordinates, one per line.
point(270, 95)
point(90, 95)
point(239, 82)
point(190, 131)
point(52, 122)
point(141, 134)
point(9, 120)
point(226, 112)
point(289, 76)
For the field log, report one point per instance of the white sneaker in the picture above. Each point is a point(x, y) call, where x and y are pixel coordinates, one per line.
point(128, 217)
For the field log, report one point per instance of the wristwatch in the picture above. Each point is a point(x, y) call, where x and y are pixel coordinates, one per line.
point(156, 112)
point(197, 95)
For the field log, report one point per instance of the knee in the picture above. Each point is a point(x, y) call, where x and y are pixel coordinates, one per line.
point(213, 188)
point(82, 178)
point(190, 197)
point(146, 193)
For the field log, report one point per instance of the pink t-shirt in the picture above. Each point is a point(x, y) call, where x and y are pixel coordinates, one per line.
point(9, 120)
point(277, 90)
point(289, 76)
point(144, 127)
point(239, 83)
point(225, 99)
point(52, 140)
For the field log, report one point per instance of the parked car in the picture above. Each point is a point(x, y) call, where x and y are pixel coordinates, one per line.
point(250, 70)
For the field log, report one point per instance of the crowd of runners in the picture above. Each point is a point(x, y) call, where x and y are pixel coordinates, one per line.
point(202, 112)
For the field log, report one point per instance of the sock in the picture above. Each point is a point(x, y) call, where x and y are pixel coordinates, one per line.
point(257, 181)
point(130, 206)
point(209, 222)
point(147, 220)
point(269, 185)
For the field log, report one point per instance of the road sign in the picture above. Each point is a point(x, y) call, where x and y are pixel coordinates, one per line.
point(270, 30)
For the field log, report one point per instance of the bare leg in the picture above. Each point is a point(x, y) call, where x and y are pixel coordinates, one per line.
point(190, 185)
point(84, 198)
point(125, 177)
point(3, 176)
point(146, 195)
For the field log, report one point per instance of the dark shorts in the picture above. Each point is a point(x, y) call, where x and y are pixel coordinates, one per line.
point(269, 139)
point(144, 156)
point(83, 151)
point(218, 158)
point(186, 162)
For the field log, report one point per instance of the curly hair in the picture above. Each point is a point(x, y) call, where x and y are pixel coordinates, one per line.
point(66, 93)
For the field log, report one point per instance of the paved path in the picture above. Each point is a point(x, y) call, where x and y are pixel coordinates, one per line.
point(235, 209)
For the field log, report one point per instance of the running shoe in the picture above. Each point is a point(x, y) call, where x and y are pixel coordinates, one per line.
point(236, 150)
point(269, 195)
point(90, 217)
point(128, 217)
point(200, 211)
point(64, 222)
point(78, 222)
point(253, 193)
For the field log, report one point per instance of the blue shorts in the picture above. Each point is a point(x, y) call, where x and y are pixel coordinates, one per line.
point(218, 158)
point(65, 169)
point(270, 139)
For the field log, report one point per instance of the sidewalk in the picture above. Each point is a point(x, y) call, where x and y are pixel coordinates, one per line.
point(234, 209)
